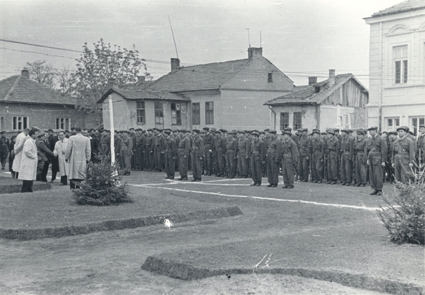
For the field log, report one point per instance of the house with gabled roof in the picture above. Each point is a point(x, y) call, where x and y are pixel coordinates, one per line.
point(397, 66)
point(25, 103)
point(337, 102)
point(228, 95)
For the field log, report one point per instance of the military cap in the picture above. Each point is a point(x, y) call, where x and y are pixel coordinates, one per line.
point(360, 132)
point(329, 130)
point(206, 129)
point(405, 128)
point(66, 131)
point(372, 128)
point(234, 131)
point(267, 130)
point(273, 131)
point(316, 131)
point(41, 133)
point(287, 132)
point(217, 131)
point(213, 129)
point(167, 132)
point(131, 128)
point(255, 132)
point(323, 133)
point(385, 132)
point(392, 132)
point(336, 130)
point(139, 129)
point(196, 130)
point(300, 130)
point(2, 132)
point(155, 129)
point(304, 130)
point(344, 130)
point(288, 129)
point(262, 132)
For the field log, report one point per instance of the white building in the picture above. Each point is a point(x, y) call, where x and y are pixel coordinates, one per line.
point(397, 66)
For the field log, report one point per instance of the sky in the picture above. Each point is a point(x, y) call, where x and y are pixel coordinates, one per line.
point(301, 37)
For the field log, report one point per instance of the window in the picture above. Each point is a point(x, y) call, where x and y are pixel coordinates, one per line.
point(140, 109)
point(297, 121)
point(20, 123)
point(63, 123)
point(415, 122)
point(196, 113)
point(2, 127)
point(284, 120)
point(176, 117)
point(159, 113)
point(392, 123)
point(400, 64)
point(209, 112)
point(270, 78)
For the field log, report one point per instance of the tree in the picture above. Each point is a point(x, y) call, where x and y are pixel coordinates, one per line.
point(42, 72)
point(65, 80)
point(97, 66)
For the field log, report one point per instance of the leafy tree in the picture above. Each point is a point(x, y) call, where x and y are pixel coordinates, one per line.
point(97, 66)
point(65, 80)
point(42, 72)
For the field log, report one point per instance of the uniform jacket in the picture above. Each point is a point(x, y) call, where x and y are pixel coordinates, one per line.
point(170, 146)
point(198, 144)
point(359, 147)
point(404, 147)
point(243, 145)
point(304, 146)
point(289, 150)
point(78, 152)
point(29, 160)
point(318, 145)
point(347, 146)
point(258, 147)
point(184, 146)
point(378, 146)
point(231, 144)
point(332, 144)
point(4, 144)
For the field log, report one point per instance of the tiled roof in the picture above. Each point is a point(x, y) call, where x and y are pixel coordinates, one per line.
point(24, 90)
point(145, 94)
point(307, 94)
point(199, 77)
point(402, 7)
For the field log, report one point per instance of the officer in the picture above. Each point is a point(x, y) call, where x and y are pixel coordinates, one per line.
point(421, 146)
point(231, 148)
point(183, 153)
point(258, 157)
point(198, 150)
point(4, 149)
point(243, 154)
point(208, 143)
point(403, 157)
point(273, 160)
point(347, 156)
point(304, 158)
point(332, 150)
point(360, 159)
point(289, 155)
point(376, 151)
point(170, 154)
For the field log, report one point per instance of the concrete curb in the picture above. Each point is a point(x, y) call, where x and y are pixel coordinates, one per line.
point(41, 233)
point(188, 272)
point(16, 188)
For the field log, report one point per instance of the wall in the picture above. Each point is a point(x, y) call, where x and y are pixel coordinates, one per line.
point(40, 115)
point(202, 97)
point(308, 116)
point(399, 100)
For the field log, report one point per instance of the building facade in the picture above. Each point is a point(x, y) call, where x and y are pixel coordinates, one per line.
point(397, 66)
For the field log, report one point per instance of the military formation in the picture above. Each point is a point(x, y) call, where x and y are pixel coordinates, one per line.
point(345, 157)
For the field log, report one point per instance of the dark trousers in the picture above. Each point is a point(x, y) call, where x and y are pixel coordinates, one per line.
point(401, 168)
point(256, 168)
point(64, 180)
point(183, 164)
point(317, 167)
point(230, 163)
point(208, 161)
point(332, 165)
point(3, 157)
point(272, 169)
point(346, 168)
point(243, 164)
point(196, 169)
point(55, 167)
point(158, 159)
point(375, 171)
point(169, 164)
point(288, 171)
point(74, 183)
point(43, 175)
point(27, 186)
point(361, 169)
point(303, 168)
point(219, 163)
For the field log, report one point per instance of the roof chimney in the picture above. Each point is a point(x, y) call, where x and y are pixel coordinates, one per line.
point(175, 64)
point(331, 77)
point(25, 73)
point(255, 52)
point(312, 80)
point(111, 83)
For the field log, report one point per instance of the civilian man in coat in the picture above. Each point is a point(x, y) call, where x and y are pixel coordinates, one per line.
point(59, 152)
point(28, 163)
point(78, 152)
point(17, 150)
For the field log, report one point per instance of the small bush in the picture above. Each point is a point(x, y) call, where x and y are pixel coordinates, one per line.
point(102, 185)
point(403, 216)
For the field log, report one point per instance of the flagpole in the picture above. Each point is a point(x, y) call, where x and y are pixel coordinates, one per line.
point(111, 123)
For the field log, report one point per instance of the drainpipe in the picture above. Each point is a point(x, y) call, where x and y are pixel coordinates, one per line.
point(274, 119)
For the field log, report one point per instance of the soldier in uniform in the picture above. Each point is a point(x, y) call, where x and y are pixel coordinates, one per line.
point(150, 164)
point(304, 158)
point(265, 137)
point(403, 157)
point(332, 151)
point(231, 148)
point(392, 136)
point(4, 149)
point(198, 150)
point(376, 151)
point(158, 150)
point(347, 156)
point(289, 155)
point(360, 159)
point(258, 157)
point(220, 153)
point(126, 151)
point(273, 160)
point(421, 146)
point(170, 154)
point(243, 154)
point(132, 135)
point(183, 153)
point(208, 143)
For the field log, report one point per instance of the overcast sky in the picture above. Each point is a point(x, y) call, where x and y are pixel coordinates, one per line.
point(301, 37)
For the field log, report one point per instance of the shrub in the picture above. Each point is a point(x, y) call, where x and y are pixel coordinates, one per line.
point(102, 185)
point(403, 216)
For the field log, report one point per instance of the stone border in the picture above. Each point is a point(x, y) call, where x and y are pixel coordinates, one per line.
point(41, 233)
point(188, 272)
point(16, 188)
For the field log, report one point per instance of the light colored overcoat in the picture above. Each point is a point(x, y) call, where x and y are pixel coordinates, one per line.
point(59, 151)
point(78, 151)
point(28, 163)
point(17, 149)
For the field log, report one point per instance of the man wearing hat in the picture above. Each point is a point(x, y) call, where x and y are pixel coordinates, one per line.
point(347, 157)
point(376, 151)
point(318, 150)
point(170, 154)
point(126, 151)
point(231, 147)
point(421, 145)
point(403, 157)
point(273, 159)
point(360, 159)
point(183, 154)
point(198, 150)
point(4, 149)
point(258, 157)
point(289, 156)
point(242, 154)
point(220, 153)
point(208, 144)
point(332, 150)
point(304, 158)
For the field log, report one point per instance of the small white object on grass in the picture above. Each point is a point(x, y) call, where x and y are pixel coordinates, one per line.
point(168, 223)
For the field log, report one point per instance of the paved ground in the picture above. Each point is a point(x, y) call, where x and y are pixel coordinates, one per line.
point(319, 226)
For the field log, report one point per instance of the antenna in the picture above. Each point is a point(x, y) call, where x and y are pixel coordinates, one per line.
point(261, 43)
point(249, 39)
point(172, 32)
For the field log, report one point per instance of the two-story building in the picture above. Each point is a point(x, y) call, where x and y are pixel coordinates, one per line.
point(397, 66)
